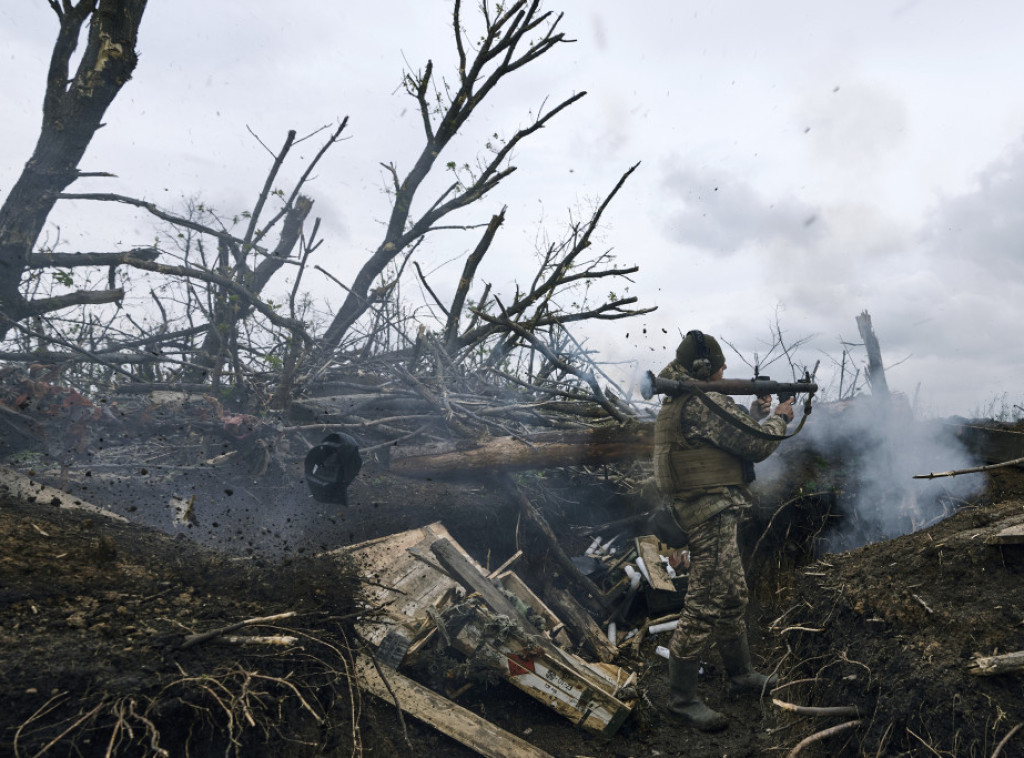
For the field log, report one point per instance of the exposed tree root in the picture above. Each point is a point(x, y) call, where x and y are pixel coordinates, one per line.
point(818, 736)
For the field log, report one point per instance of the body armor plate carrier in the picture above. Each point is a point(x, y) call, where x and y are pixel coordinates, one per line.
point(681, 468)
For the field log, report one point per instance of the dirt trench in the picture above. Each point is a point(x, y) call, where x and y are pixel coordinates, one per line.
point(95, 613)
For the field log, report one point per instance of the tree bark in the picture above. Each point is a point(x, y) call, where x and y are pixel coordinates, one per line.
point(590, 447)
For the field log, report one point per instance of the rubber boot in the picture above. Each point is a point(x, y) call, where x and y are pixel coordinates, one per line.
point(742, 677)
point(683, 702)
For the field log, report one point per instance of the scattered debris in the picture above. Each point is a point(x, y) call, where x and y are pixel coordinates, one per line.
point(432, 598)
point(183, 511)
point(17, 485)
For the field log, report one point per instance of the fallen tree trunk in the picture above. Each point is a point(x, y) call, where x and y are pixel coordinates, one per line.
point(588, 447)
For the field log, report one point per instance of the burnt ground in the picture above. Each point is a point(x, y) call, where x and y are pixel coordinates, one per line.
point(95, 613)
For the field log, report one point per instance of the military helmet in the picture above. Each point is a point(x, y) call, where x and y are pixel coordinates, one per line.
point(700, 355)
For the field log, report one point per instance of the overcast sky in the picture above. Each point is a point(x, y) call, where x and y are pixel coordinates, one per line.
point(800, 161)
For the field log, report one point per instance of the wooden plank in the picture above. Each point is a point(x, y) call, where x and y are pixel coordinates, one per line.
point(514, 584)
point(587, 630)
point(617, 676)
point(506, 565)
point(398, 581)
point(528, 660)
point(560, 681)
point(475, 580)
point(588, 594)
point(441, 713)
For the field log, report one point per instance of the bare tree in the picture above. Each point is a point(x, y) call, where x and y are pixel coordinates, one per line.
point(208, 321)
point(73, 109)
point(514, 36)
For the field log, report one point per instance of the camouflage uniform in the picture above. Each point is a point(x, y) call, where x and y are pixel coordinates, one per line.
point(698, 464)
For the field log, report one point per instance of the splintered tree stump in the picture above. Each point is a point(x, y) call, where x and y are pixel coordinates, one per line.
point(876, 371)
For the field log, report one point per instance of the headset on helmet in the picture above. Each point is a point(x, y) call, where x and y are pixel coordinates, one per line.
point(701, 367)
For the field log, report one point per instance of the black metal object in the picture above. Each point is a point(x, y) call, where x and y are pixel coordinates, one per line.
point(331, 466)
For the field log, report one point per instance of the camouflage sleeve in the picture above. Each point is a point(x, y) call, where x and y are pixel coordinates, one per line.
point(701, 423)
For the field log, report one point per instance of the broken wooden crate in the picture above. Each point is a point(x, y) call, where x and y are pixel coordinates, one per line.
point(417, 577)
point(664, 593)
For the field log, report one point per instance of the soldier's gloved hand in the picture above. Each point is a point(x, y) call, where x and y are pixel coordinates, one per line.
point(785, 410)
point(761, 407)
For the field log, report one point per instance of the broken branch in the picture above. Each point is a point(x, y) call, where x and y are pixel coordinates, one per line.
point(1004, 740)
point(810, 710)
point(818, 736)
point(195, 639)
point(1008, 663)
point(283, 640)
point(976, 469)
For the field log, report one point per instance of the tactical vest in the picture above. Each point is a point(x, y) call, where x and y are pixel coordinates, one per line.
point(682, 468)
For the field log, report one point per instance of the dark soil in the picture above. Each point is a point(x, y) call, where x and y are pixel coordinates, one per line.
point(95, 613)
point(890, 629)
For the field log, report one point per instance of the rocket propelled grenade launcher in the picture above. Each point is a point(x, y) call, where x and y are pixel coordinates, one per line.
point(652, 385)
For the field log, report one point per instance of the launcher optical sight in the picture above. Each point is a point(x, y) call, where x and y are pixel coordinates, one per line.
point(652, 385)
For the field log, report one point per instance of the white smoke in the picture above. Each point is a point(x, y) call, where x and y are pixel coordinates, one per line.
point(866, 452)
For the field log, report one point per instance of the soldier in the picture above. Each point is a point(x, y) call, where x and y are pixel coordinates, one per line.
point(703, 461)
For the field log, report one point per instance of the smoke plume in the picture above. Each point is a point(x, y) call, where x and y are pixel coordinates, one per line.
point(865, 452)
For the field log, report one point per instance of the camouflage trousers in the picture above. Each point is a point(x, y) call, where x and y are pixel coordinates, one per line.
point(716, 593)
